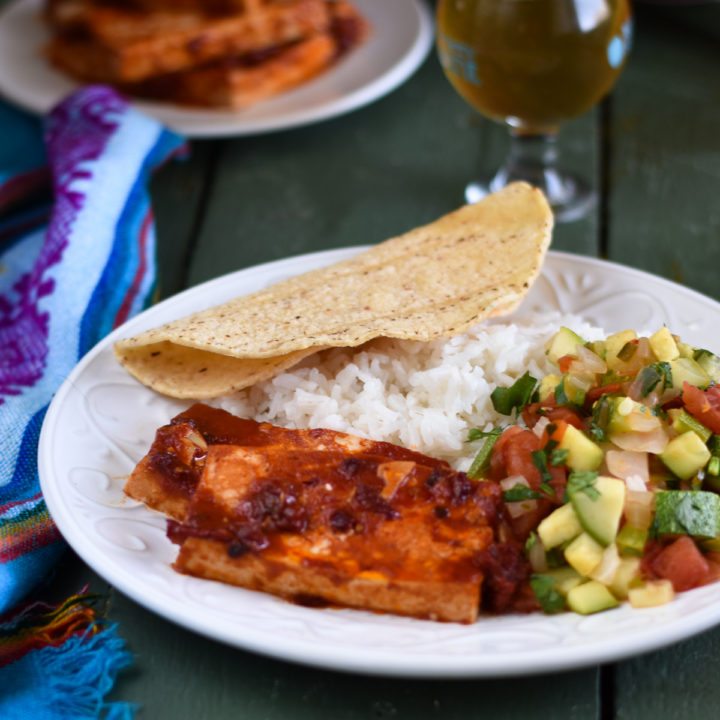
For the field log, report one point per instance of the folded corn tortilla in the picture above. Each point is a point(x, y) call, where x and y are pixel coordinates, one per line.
point(434, 281)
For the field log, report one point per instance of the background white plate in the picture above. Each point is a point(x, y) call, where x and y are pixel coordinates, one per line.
point(101, 423)
point(402, 34)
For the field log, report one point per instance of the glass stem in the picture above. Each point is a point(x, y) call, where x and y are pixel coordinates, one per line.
point(534, 159)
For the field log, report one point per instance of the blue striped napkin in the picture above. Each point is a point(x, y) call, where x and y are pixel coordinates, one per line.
point(70, 271)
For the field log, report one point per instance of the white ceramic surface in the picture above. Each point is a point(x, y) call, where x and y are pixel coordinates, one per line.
point(402, 34)
point(102, 421)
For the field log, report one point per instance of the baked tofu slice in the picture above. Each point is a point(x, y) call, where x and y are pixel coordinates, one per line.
point(359, 526)
point(243, 81)
point(120, 46)
point(167, 477)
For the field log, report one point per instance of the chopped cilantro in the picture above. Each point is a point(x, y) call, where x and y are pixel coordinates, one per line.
point(543, 586)
point(476, 434)
point(713, 467)
point(482, 459)
point(600, 419)
point(582, 482)
point(651, 375)
point(558, 456)
point(521, 492)
point(539, 460)
point(531, 540)
point(516, 397)
point(562, 398)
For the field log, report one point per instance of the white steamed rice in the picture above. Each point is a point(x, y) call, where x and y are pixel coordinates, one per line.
point(425, 396)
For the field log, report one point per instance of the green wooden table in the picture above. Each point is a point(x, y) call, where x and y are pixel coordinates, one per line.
point(653, 152)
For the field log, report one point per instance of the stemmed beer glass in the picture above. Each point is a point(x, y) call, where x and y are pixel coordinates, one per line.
point(531, 65)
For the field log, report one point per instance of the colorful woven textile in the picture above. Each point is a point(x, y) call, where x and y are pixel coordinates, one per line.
point(58, 662)
point(70, 272)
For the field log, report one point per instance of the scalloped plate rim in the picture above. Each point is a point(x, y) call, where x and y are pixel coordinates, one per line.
point(363, 659)
point(34, 85)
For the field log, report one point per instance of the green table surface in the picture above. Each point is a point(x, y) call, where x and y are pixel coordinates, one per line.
point(652, 150)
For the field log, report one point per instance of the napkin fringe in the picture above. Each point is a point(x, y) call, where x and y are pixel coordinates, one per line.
point(76, 656)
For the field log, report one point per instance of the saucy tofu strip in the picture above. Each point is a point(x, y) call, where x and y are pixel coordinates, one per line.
point(325, 518)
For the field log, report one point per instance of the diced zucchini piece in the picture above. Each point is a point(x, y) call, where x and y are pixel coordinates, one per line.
point(582, 452)
point(686, 350)
point(688, 370)
point(559, 526)
point(600, 515)
point(621, 408)
point(547, 385)
point(683, 421)
point(709, 362)
point(598, 347)
point(685, 455)
point(605, 571)
point(631, 540)
point(627, 573)
point(584, 554)
point(566, 392)
point(651, 594)
point(614, 345)
point(712, 545)
point(566, 578)
point(591, 597)
point(564, 342)
point(663, 344)
point(687, 512)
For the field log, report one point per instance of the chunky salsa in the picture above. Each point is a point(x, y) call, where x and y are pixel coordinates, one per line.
point(611, 474)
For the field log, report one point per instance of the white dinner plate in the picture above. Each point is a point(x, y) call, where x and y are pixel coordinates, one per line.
point(102, 421)
point(402, 34)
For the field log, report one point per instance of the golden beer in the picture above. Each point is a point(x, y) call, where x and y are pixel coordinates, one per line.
point(533, 64)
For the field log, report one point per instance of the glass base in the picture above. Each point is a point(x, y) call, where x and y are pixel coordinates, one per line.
point(534, 159)
point(570, 198)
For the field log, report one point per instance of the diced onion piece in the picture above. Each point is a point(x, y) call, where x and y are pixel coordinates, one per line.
point(625, 406)
point(394, 474)
point(537, 558)
point(639, 508)
point(668, 395)
point(588, 362)
point(511, 481)
point(635, 390)
point(580, 382)
point(515, 509)
point(189, 444)
point(642, 420)
point(540, 425)
point(625, 464)
point(652, 442)
point(641, 357)
point(636, 483)
point(651, 594)
point(605, 571)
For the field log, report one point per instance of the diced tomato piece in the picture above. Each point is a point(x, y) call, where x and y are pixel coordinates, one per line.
point(596, 393)
point(558, 430)
point(518, 457)
point(682, 564)
point(498, 463)
point(565, 414)
point(512, 455)
point(713, 561)
point(534, 411)
point(703, 405)
point(564, 362)
point(524, 524)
